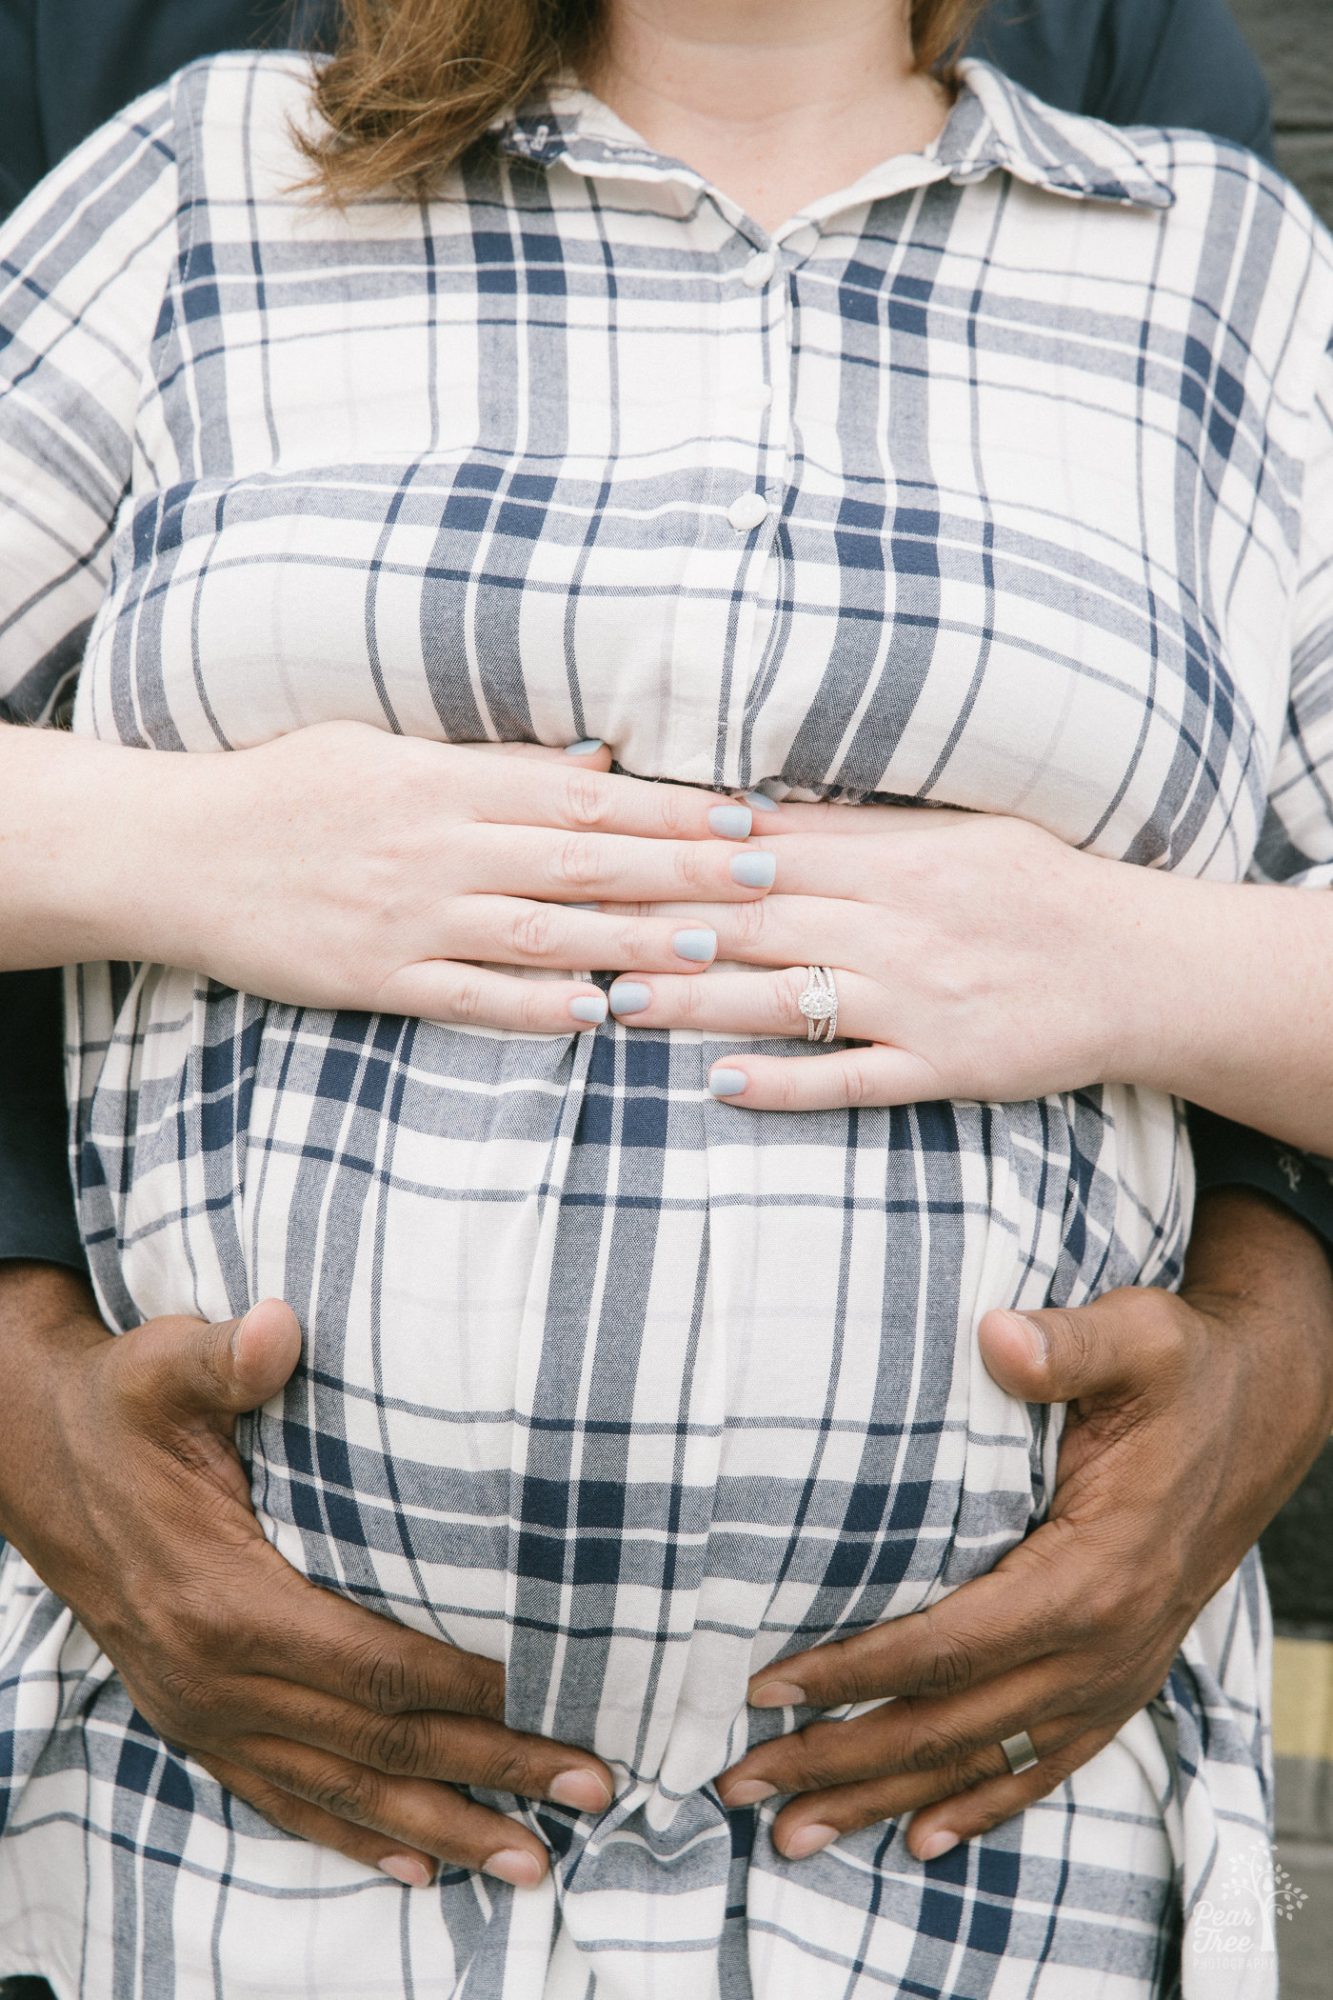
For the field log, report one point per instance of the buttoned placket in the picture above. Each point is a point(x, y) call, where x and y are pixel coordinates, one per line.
point(756, 301)
point(768, 267)
point(763, 279)
point(764, 268)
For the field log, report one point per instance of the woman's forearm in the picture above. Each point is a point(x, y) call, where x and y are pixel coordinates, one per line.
point(1224, 996)
point(1219, 993)
point(95, 847)
point(980, 957)
point(343, 866)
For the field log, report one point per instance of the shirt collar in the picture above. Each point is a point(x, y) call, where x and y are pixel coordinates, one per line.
point(994, 125)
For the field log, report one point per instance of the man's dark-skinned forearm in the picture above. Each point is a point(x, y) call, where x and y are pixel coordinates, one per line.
point(120, 1484)
point(1192, 1418)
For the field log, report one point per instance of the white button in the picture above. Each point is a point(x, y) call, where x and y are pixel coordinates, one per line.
point(759, 269)
point(746, 511)
point(765, 397)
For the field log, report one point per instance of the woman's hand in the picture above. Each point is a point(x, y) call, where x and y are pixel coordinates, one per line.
point(120, 1484)
point(981, 957)
point(976, 954)
point(341, 866)
point(1175, 1458)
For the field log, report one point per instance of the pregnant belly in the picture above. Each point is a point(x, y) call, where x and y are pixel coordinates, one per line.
point(620, 1384)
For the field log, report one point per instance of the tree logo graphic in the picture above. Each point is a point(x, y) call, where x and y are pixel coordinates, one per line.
point(1258, 1876)
point(1240, 1922)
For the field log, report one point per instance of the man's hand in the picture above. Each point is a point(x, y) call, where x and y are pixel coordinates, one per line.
point(120, 1484)
point(1191, 1420)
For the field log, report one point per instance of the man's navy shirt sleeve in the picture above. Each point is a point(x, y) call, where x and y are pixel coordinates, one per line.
point(65, 65)
point(1135, 62)
point(37, 1217)
point(1227, 1155)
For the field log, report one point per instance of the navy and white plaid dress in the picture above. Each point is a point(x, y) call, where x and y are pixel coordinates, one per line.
point(1002, 479)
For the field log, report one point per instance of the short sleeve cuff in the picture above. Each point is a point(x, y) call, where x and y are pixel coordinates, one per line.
point(1228, 1155)
point(37, 1218)
point(37, 1221)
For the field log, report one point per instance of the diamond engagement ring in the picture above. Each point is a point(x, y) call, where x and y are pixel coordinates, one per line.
point(819, 1004)
point(1019, 1752)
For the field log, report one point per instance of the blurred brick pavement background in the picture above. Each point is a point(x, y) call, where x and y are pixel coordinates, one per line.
point(1294, 40)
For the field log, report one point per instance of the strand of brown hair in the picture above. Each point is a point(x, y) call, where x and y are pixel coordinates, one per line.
point(413, 85)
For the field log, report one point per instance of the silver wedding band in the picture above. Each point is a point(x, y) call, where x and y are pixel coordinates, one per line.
point(819, 1004)
point(1019, 1753)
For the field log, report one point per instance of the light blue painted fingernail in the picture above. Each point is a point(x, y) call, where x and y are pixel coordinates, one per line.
point(727, 1082)
point(591, 1007)
point(754, 870)
point(698, 946)
point(731, 822)
point(583, 906)
point(760, 801)
point(629, 996)
point(583, 748)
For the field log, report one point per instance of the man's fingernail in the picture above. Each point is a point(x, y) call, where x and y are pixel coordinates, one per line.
point(582, 1790)
point(749, 1792)
point(760, 801)
point(778, 1694)
point(808, 1840)
point(584, 747)
point(236, 1333)
point(731, 822)
point(629, 996)
point(515, 1865)
point(936, 1844)
point(727, 1082)
point(589, 1007)
point(1036, 1338)
point(754, 870)
point(405, 1868)
point(700, 946)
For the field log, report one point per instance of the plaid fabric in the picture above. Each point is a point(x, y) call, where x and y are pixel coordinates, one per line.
point(997, 480)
